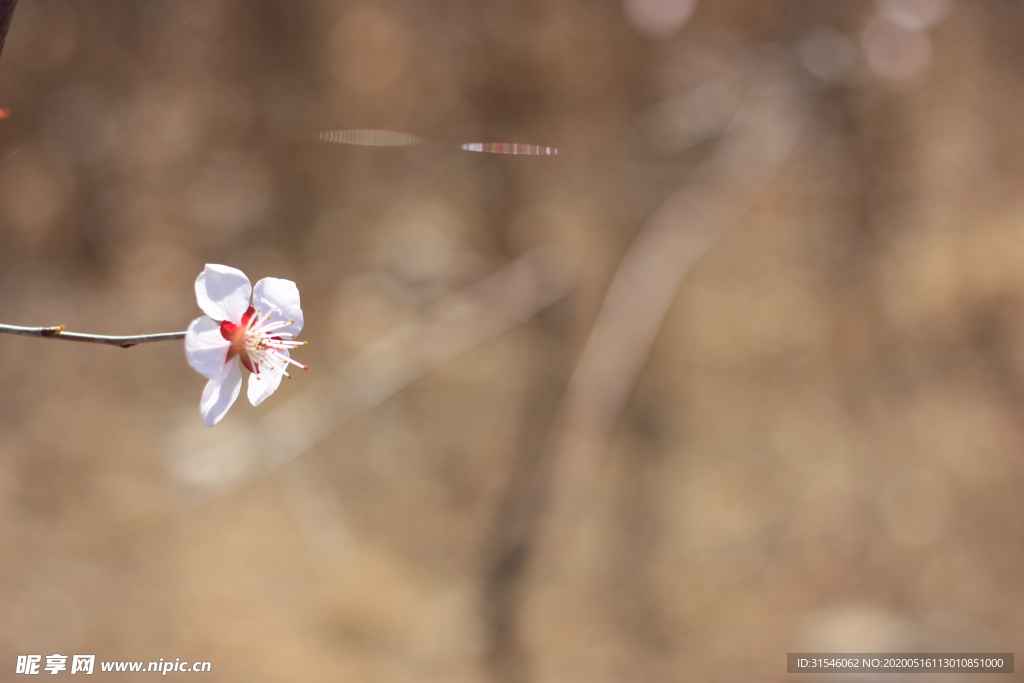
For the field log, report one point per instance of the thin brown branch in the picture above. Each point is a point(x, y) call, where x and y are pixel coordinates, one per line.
point(59, 332)
point(687, 224)
point(540, 516)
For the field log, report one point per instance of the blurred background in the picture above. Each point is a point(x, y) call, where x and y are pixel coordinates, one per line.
point(740, 372)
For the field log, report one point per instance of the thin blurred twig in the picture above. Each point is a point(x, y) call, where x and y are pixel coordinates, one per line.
point(542, 525)
point(685, 226)
point(540, 522)
point(6, 12)
point(499, 302)
point(59, 332)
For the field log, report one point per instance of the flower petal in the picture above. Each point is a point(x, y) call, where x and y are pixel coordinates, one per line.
point(223, 292)
point(220, 393)
point(263, 384)
point(280, 298)
point(206, 349)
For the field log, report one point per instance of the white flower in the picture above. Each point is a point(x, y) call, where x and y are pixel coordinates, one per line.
point(233, 331)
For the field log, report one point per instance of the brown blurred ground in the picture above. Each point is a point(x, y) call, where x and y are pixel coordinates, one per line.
point(823, 449)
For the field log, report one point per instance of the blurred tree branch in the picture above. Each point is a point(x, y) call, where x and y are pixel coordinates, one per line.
point(756, 143)
point(544, 510)
point(508, 297)
point(6, 12)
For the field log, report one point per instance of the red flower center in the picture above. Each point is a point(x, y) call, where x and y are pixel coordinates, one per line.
point(236, 334)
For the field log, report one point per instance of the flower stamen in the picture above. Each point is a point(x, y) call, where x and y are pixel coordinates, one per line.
point(258, 342)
